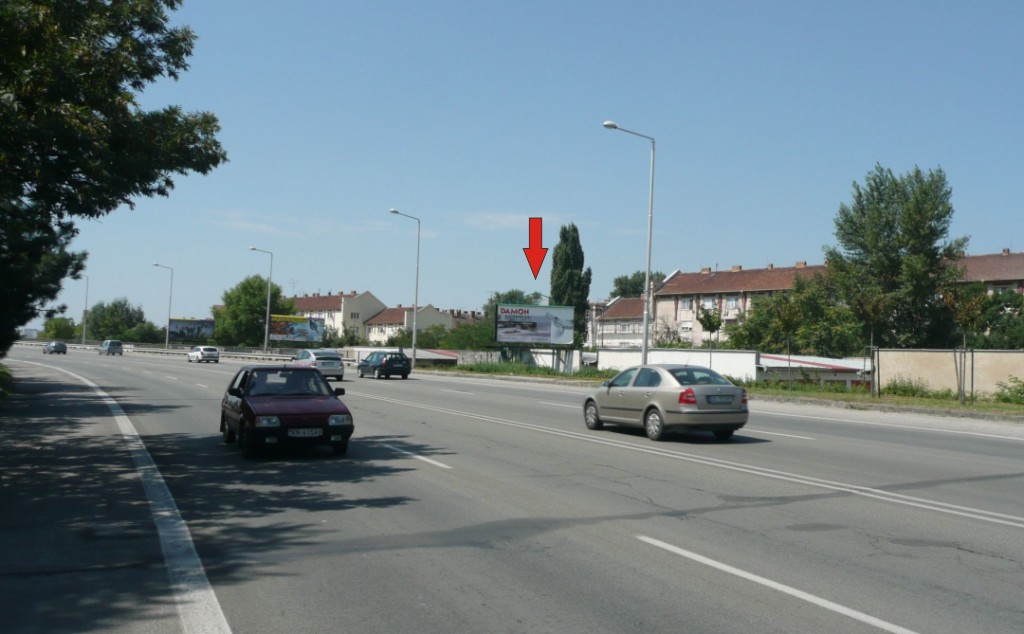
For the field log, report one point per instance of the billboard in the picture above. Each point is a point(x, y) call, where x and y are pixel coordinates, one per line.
point(527, 323)
point(296, 328)
point(191, 329)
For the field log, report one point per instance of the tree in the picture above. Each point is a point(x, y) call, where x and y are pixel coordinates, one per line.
point(514, 296)
point(59, 328)
point(145, 332)
point(710, 320)
point(242, 320)
point(114, 320)
point(1002, 322)
point(893, 240)
point(633, 285)
point(570, 282)
point(75, 142)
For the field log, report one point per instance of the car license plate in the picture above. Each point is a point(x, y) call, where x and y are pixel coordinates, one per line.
point(719, 399)
point(305, 432)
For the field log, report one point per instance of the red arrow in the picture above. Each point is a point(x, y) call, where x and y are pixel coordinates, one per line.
point(536, 253)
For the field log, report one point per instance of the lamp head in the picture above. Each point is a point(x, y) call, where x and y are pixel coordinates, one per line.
point(395, 211)
point(611, 125)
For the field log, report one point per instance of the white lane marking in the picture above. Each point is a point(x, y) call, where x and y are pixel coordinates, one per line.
point(173, 378)
point(203, 386)
point(854, 489)
point(198, 607)
point(417, 456)
point(575, 406)
point(458, 392)
point(893, 425)
point(775, 433)
point(774, 585)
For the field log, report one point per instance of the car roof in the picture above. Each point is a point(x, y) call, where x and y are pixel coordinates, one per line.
point(272, 368)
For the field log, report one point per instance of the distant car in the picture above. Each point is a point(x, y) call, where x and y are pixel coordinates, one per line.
point(329, 362)
point(55, 347)
point(204, 353)
point(382, 365)
point(111, 346)
point(665, 397)
point(276, 406)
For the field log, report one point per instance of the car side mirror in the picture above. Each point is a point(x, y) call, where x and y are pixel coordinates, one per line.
point(295, 358)
point(339, 391)
point(606, 383)
point(234, 391)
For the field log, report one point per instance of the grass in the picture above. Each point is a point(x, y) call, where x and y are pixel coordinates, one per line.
point(898, 395)
point(5, 382)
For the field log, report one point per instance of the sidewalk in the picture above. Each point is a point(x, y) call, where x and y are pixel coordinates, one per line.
point(79, 551)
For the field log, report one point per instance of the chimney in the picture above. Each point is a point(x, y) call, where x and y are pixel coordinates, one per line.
point(705, 270)
point(771, 267)
point(1006, 252)
point(736, 267)
point(801, 264)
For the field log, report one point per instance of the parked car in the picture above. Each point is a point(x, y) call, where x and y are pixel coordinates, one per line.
point(329, 362)
point(111, 346)
point(55, 347)
point(268, 407)
point(204, 353)
point(666, 397)
point(384, 364)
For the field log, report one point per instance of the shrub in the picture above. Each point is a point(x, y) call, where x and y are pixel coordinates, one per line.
point(1010, 392)
point(903, 386)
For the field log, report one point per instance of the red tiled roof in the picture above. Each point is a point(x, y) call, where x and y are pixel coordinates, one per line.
point(623, 308)
point(734, 281)
point(996, 267)
point(389, 316)
point(317, 302)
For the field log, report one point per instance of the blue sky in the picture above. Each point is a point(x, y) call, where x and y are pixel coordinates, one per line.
point(475, 116)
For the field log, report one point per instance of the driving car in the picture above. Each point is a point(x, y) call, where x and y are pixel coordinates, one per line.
point(384, 364)
point(55, 347)
point(111, 346)
point(327, 361)
point(204, 353)
point(664, 397)
point(268, 407)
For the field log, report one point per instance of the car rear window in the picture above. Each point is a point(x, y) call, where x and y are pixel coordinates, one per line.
point(328, 357)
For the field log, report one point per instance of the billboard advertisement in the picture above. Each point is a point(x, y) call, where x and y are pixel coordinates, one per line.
point(296, 328)
point(527, 323)
point(191, 329)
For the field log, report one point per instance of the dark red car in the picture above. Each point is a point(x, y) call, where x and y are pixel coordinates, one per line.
point(277, 406)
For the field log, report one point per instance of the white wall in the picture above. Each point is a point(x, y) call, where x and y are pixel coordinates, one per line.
point(740, 364)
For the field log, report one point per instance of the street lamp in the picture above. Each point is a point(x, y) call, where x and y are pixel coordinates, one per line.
point(416, 295)
point(167, 338)
point(611, 125)
point(85, 313)
point(266, 331)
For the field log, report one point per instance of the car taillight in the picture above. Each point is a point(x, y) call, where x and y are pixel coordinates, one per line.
point(744, 397)
point(688, 397)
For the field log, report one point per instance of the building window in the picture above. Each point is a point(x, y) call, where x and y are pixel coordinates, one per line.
point(686, 303)
point(708, 303)
point(732, 303)
point(353, 315)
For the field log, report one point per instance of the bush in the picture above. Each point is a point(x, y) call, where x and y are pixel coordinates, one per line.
point(903, 386)
point(1010, 392)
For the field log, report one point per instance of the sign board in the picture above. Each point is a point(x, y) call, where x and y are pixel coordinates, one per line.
point(528, 323)
point(296, 328)
point(191, 329)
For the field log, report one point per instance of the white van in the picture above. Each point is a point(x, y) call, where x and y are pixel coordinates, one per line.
point(111, 346)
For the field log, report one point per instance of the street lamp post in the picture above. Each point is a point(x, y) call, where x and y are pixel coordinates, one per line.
point(85, 313)
point(170, 295)
point(611, 125)
point(266, 331)
point(416, 292)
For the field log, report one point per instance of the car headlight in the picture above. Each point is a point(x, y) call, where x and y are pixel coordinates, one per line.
point(339, 419)
point(268, 421)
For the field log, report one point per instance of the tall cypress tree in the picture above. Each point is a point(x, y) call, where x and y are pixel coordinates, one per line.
point(570, 282)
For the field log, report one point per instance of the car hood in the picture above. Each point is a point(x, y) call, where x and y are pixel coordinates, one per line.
point(290, 405)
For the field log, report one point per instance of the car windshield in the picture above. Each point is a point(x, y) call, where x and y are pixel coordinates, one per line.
point(287, 383)
point(698, 376)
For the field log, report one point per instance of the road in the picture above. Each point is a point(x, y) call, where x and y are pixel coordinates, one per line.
point(476, 505)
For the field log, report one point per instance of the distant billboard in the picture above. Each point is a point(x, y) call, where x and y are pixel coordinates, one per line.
point(528, 323)
point(296, 328)
point(191, 329)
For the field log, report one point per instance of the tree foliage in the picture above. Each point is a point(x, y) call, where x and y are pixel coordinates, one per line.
point(114, 320)
point(894, 256)
point(75, 142)
point(633, 285)
point(570, 282)
point(241, 321)
point(59, 328)
point(1001, 326)
point(513, 296)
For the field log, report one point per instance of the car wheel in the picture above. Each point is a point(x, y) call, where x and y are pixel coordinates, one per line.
point(590, 416)
point(228, 433)
point(405, 376)
point(340, 448)
point(724, 434)
point(653, 425)
point(217, 361)
point(377, 374)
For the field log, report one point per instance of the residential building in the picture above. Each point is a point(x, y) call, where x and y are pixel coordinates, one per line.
point(345, 313)
point(390, 321)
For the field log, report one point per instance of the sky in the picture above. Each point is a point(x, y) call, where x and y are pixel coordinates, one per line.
point(476, 116)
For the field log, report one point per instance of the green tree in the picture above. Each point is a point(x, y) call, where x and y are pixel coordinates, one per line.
point(710, 321)
point(513, 296)
point(59, 328)
point(570, 282)
point(114, 320)
point(478, 335)
point(242, 319)
point(1002, 322)
point(145, 332)
point(893, 239)
point(633, 285)
point(75, 142)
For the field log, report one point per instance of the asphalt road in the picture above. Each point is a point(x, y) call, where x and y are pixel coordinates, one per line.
point(473, 505)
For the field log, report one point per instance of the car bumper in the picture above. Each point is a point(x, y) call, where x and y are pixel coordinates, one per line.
point(291, 437)
point(706, 421)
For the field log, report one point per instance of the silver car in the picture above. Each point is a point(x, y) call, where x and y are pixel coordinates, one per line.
point(666, 397)
point(329, 362)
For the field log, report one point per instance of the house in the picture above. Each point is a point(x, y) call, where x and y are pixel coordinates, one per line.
point(618, 324)
point(998, 271)
point(345, 313)
point(390, 321)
